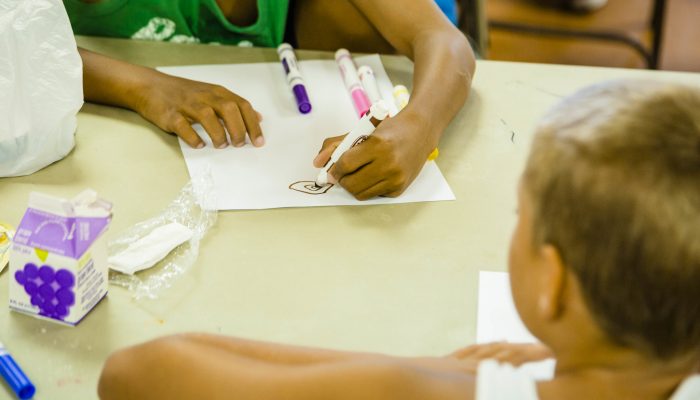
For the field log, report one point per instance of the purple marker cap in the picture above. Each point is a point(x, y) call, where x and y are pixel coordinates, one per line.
point(302, 98)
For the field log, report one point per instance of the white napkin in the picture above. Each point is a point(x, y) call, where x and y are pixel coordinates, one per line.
point(147, 251)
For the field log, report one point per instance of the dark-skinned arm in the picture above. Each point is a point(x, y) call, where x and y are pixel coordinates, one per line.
point(171, 103)
point(387, 163)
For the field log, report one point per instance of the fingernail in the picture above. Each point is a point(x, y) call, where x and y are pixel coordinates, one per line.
point(259, 141)
point(200, 145)
point(239, 144)
point(222, 145)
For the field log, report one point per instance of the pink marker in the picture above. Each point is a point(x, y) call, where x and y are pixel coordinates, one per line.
point(352, 81)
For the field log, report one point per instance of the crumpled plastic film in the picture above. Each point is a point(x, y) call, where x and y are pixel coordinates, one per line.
point(195, 208)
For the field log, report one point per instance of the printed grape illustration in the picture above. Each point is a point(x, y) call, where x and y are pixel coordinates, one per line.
point(48, 289)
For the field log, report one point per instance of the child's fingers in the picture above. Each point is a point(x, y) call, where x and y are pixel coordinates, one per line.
point(210, 122)
point(327, 148)
point(183, 129)
point(231, 114)
point(507, 356)
point(352, 161)
point(366, 182)
point(393, 194)
point(252, 123)
point(465, 352)
point(324, 155)
point(372, 192)
point(487, 350)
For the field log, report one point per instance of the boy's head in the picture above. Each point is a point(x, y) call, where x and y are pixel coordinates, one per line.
point(611, 192)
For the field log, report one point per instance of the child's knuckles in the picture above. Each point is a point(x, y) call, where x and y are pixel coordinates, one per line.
point(197, 109)
point(341, 167)
point(179, 124)
point(245, 105)
point(230, 107)
point(221, 91)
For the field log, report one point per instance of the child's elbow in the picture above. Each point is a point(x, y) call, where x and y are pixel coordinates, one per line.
point(116, 375)
point(460, 49)
point(137, 372)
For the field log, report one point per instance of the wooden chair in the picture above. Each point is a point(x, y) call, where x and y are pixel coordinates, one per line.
point(473, 22)
point(650, 54)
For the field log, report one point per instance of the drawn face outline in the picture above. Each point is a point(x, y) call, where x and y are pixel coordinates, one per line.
point(310, 187)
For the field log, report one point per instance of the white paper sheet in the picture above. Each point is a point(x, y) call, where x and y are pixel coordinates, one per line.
point(258, 178)
point(498, 320)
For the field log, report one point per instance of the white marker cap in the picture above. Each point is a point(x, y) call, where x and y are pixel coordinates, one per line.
point(284, 47)
point(322, 178)
point(379, 110)
point(341, 52)
point(401, 96)
point(364, 69)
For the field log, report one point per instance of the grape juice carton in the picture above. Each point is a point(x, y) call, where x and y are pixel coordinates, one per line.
point(58, 262)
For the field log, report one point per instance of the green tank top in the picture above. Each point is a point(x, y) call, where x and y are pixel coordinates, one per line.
point(180, 21)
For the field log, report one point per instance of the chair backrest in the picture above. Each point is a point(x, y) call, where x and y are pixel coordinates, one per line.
point(473, 22)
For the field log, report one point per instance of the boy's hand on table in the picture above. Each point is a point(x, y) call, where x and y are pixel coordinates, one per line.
point(383, 165)
point(174, 104)
point(512, 353)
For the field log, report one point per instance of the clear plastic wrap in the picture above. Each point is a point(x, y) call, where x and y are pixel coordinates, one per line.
point(194, 208)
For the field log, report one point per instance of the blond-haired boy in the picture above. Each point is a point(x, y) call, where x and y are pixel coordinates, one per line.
point(604, 266)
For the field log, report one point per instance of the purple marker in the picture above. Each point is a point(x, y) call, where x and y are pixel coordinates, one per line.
point(294, 79)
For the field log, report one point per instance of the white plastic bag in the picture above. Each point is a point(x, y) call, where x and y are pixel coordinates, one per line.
point(41, 85)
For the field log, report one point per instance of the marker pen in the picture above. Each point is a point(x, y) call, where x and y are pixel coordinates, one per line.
point(6, 234)
point(14, 376)
point(369, 82)
point(401, 98)
point(352, 82)
point(294, 79)
point(377, 113)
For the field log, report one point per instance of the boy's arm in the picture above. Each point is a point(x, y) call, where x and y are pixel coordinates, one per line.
point(193, 366)
point(171, 103)
point(393, 156)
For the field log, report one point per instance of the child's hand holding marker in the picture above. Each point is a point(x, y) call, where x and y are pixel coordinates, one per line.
point(172, 103)
point(367, 124)
point(385, 164)
point(389, 160)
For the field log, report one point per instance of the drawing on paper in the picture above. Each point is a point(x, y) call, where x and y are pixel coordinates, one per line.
point(310, 187)
point(358, 141)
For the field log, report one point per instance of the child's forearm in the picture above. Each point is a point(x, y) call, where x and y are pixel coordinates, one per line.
point(443, 70)
point(199, 366)
point(296, 355)
point(112, 82)
point(443, 61)
point(273, 353)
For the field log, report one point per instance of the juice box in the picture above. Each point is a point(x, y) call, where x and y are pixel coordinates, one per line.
point(58, 262)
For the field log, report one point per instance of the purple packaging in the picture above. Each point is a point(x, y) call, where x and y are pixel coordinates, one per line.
point(58, 263)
